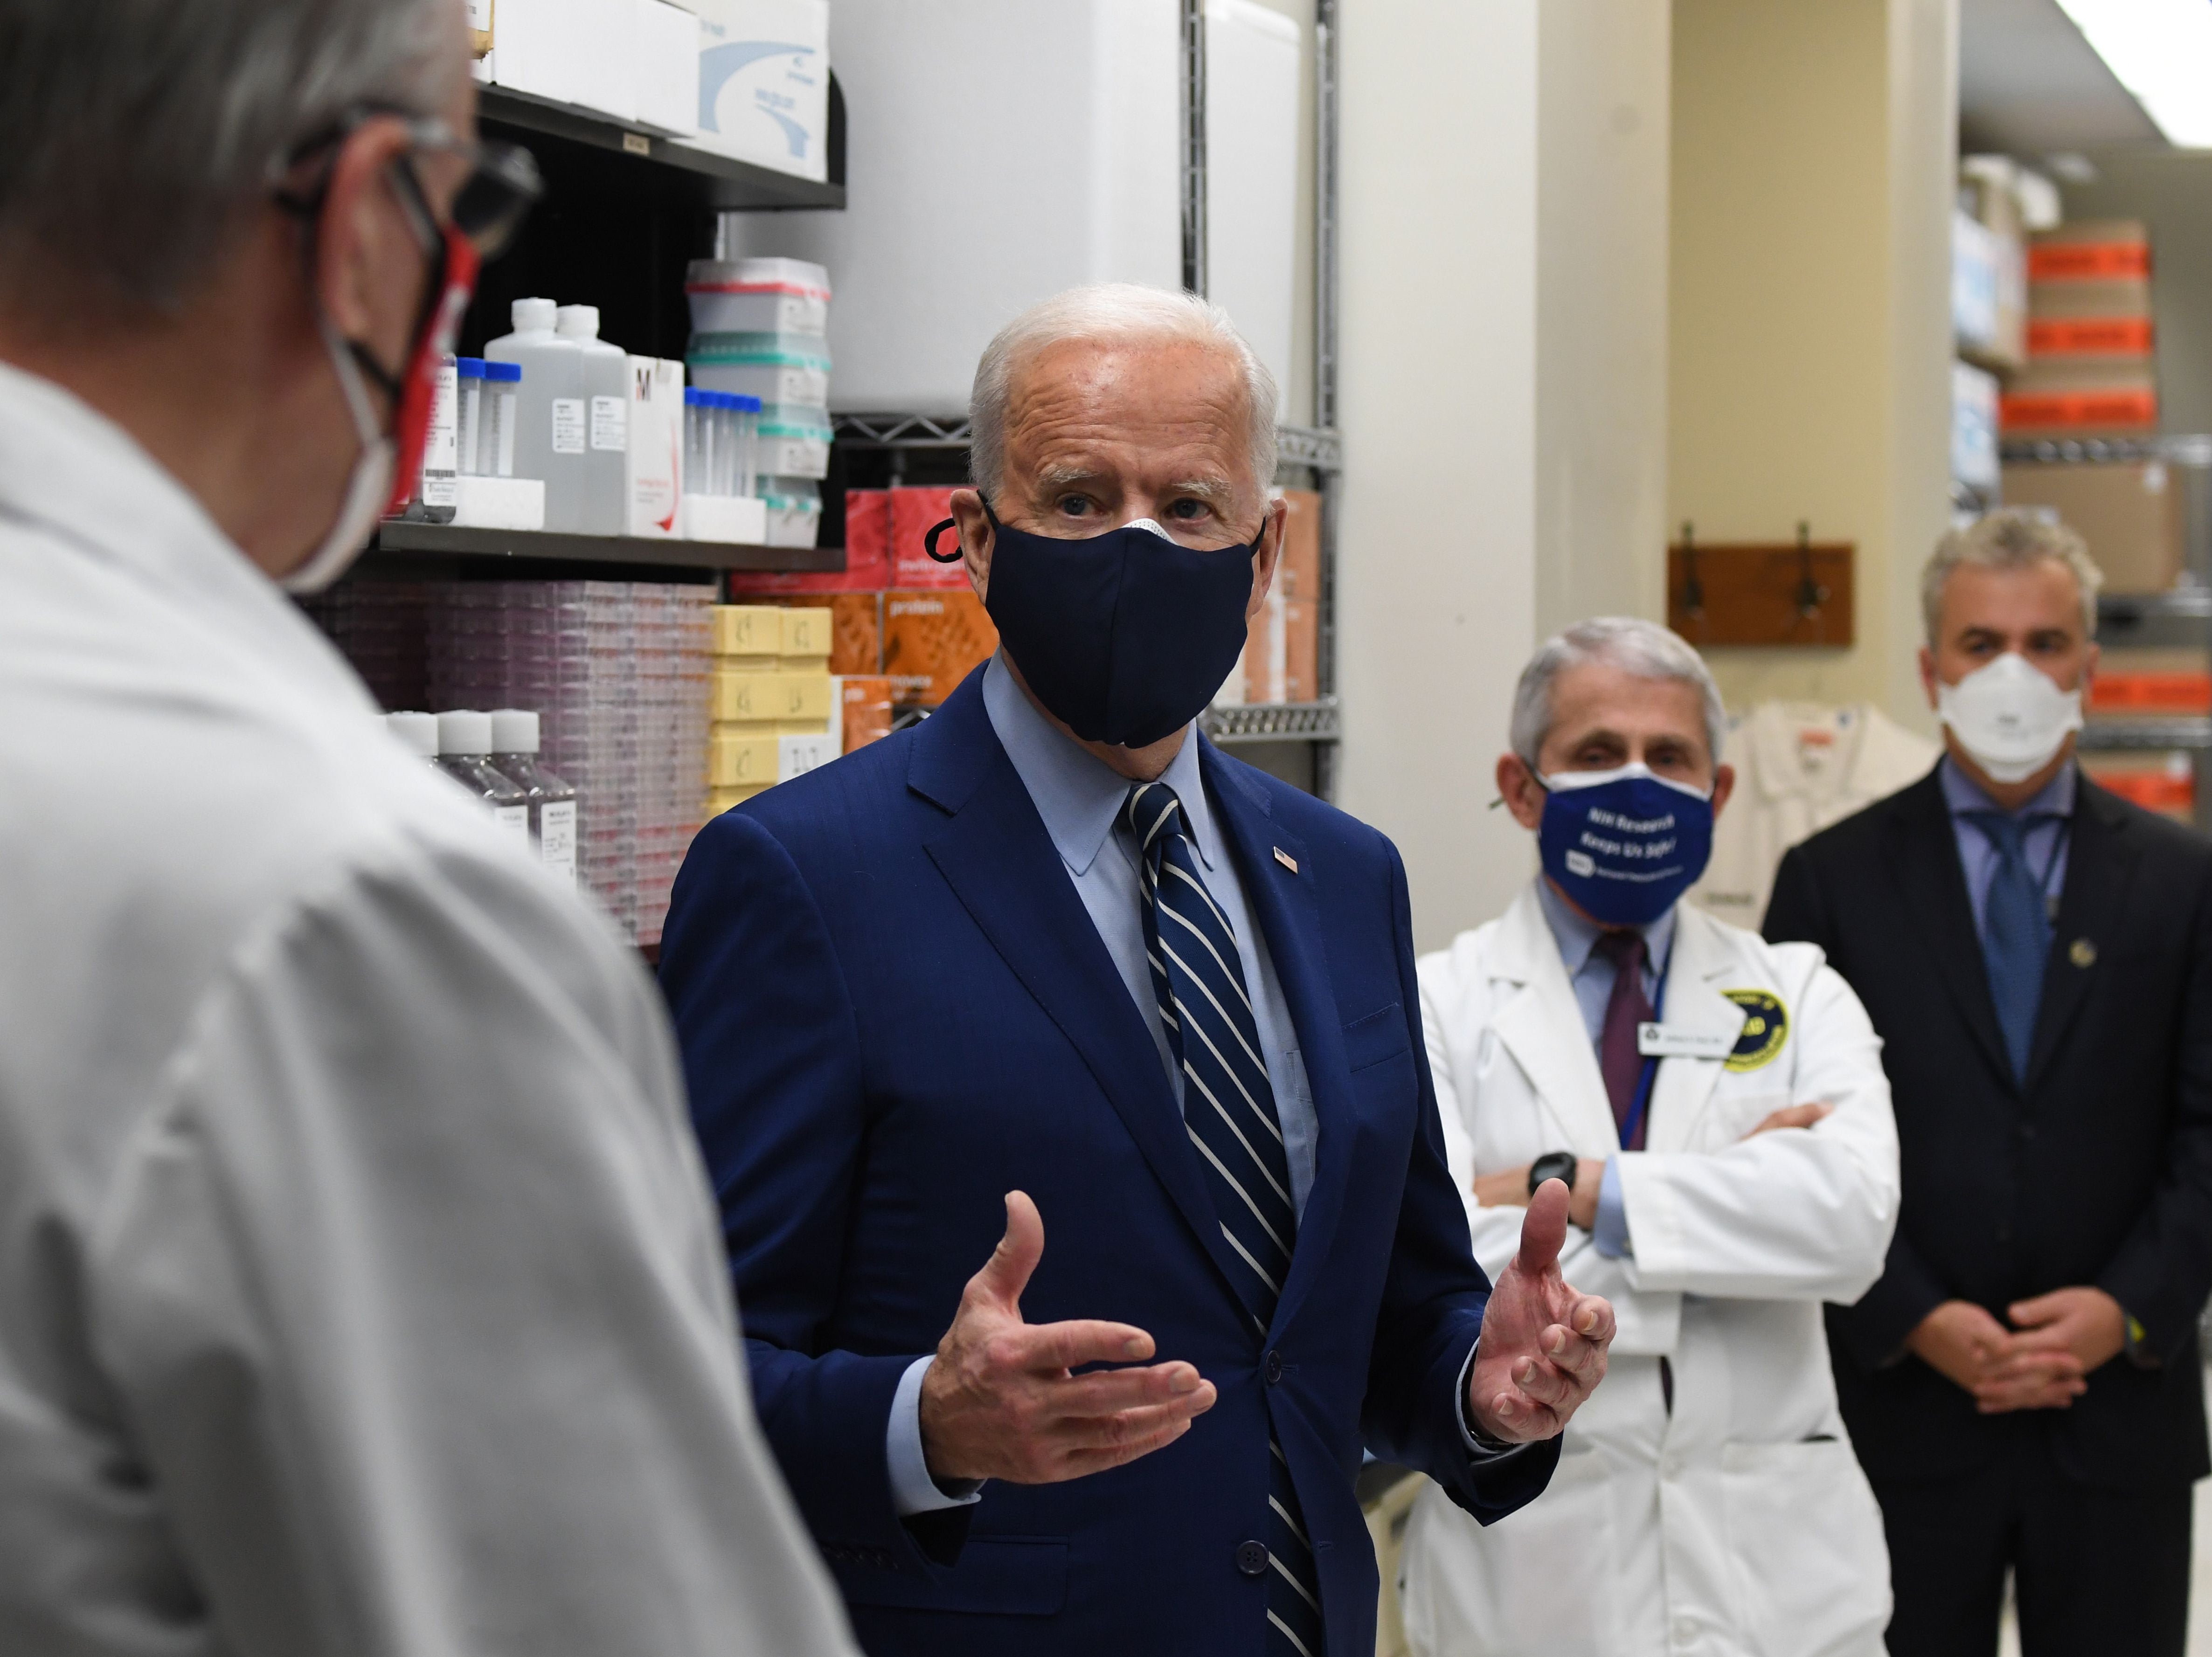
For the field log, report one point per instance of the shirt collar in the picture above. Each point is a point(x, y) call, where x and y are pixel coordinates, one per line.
point(1576, 935)
point(1962, 794)
point(1078, 795)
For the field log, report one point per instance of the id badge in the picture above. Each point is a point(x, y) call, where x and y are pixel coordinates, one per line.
point(1669, 1041)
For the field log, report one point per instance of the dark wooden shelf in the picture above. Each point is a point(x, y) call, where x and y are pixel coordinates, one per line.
point(647, 161)
point(429, 550)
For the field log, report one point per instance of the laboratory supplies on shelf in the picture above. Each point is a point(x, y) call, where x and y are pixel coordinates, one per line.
point(757, 296)
point(514, 744)
point(603, 498)
point(417, 733)
point(552, 424)
point(465, 754)
point(430, 500)
point(772, 701)
point(774, 367)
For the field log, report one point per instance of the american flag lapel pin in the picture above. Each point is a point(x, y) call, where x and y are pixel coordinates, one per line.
point(1286, 860)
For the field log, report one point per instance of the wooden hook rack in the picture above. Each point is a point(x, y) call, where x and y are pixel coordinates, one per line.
point(1761, 592)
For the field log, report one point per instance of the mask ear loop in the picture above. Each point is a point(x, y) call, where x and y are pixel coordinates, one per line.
point(929, 541)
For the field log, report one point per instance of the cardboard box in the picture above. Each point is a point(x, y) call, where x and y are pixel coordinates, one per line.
point(2128, 296)
point(914, 513)
point(785, 702)
point(482, 27)
point(862, 703)
point(931, 641)
point(856, 629)
point(806, 639)
point(2059, 398)
point(1990, 185)
point(747, 635)
point(796, 756)
point(653, 460)
point(1282, 649)
point(764, 82)
point(2131, 513)
point(738, 760)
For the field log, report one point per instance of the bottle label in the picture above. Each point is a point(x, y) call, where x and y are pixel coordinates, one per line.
point(512, 819)
point(610, 423)
point(557, 836)
point(567, 425)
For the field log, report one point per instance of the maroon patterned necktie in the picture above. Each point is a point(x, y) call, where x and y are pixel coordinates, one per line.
point(1617, 1056)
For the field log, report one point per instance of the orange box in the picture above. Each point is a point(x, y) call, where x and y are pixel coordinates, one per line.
point(2098, 249)
point(856, 629)
point(913, 512)
point(2151, 692)
point(865, 704)
point(2119, 337)
point(2081, 399)
point(933, 641)
point(1282, 646)
point(2155, 782)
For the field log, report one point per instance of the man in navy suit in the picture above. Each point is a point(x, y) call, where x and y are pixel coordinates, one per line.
point(1051, 956)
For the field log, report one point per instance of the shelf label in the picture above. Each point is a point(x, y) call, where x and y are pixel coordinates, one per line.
point(636, 143)
point(567, 425)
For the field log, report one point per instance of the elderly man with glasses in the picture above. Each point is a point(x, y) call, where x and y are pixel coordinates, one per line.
point(358, 1291)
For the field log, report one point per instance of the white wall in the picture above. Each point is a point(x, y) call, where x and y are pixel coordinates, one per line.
point(1436, 582)
point(1503, 394)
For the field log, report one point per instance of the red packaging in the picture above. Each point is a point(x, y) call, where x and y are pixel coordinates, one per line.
point(913, 512)
point(868, 556)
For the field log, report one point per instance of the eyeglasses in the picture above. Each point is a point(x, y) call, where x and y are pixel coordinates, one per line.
point(502, 185)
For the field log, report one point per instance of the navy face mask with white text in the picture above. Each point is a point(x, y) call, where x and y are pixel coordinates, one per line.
point(1623, 845)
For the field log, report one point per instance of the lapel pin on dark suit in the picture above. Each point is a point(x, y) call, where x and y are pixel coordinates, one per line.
point(1286, 860)
point(2083, 953)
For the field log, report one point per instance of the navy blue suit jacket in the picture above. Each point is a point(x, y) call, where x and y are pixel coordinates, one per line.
point(894, 1009)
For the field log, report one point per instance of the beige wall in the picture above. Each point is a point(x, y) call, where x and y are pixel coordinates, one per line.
point(1503, 394)
point(1809, 329)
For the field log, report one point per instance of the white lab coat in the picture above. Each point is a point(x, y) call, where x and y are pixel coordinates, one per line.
point(1740, 1524)
point(361, 1293)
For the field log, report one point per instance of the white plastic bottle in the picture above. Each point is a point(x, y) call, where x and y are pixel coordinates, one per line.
point(418, 732)
point(551, 423)
point(603, 509)
point(552, 802)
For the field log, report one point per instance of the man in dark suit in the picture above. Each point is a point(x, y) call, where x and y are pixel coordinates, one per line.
point(2023, 1383)
point(1051, 957)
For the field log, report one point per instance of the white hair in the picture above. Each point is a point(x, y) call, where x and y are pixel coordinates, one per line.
point(1642, 649)
point(2011, 538)
point(134, 132)
point(1112, 312)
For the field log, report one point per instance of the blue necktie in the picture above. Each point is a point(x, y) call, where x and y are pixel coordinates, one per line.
point(2015, 934)
point(1229, 1112)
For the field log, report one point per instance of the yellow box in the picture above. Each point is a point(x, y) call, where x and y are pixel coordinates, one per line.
point(736, 760)
point(719, 800)
point(749, 696)
point(807, 636)
point(753, 631)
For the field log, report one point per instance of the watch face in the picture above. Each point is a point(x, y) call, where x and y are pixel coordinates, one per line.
point(1552, 1165)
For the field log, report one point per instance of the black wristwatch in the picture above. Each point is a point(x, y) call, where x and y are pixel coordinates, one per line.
point(1554, 1165)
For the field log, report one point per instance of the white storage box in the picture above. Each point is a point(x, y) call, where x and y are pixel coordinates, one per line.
point(795, 511)
point(499, 503)
point(757, 296)
point(764, 82)
point(774, 367)
point(1073, 103)
point(653, 470)
point(793, 441)
point(665, 69)
point(736, 519)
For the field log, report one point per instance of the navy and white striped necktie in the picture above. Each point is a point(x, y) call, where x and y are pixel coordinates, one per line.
point(1229, 1111)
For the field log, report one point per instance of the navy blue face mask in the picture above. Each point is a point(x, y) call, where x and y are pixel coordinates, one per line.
point(1125, 636)
point(1625, 845)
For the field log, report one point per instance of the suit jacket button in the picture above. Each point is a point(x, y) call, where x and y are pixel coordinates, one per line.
point(1274, 1368)
point(1252, 1559)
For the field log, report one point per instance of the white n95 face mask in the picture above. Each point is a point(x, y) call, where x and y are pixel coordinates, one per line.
point(368, 485)
point(2011, 717)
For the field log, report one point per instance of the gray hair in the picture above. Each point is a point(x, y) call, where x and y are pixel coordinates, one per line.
point(1642, 649)
point(134, 133)
point(2009, 538)
point(1112, 310)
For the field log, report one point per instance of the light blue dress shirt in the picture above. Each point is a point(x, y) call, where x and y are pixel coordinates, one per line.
point(1592, 976)
point(2046, 839)
point(1080, 800)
